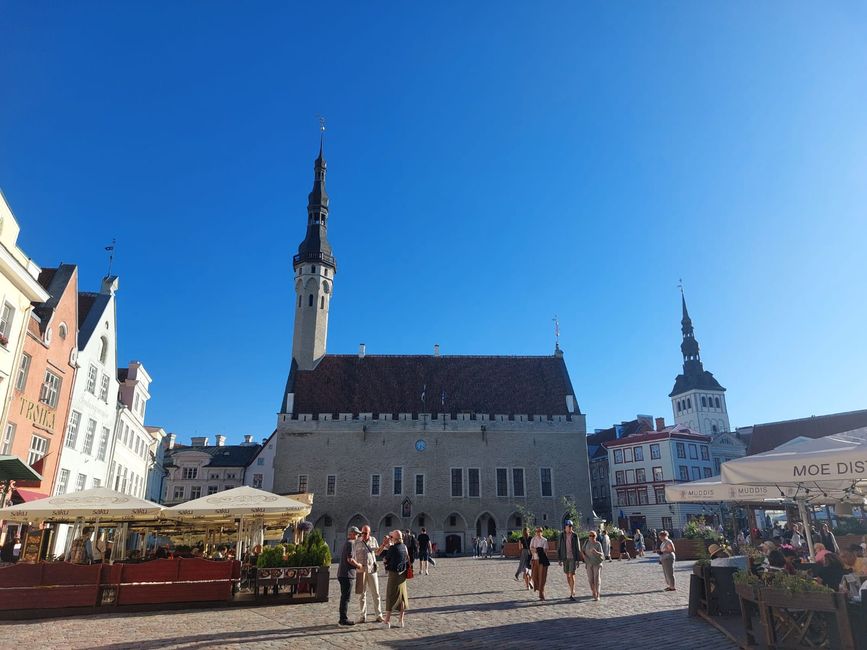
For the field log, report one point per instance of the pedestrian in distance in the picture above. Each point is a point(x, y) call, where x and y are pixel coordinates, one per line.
point(593, 556)
point(524, 564)
point(411, 546)
point(346, 574)
point(569, 555)
point(540, 562)
point(490, 545)
point(503, 546)
point(396, 558)
point(367, 578)
point(605, 540)
point(483, 548)
point(638, 540)
point(623, 550)
point(667, 559)
point(424, 548)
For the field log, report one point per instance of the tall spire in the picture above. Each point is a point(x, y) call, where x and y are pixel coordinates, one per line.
point(689, 347)
point(315, 247)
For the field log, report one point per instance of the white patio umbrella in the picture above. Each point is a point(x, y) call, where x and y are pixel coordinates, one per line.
point(93, 504)
point(708, 490)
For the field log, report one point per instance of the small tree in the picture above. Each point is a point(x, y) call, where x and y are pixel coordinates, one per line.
point(527, 517)
point(572, 511)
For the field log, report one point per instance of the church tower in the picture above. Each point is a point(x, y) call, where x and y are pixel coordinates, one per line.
point(697, 399)
point(314, 267)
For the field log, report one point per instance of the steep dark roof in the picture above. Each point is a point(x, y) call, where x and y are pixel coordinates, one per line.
point(225, 456)
point(449, 384)
point(626, 429)
point(54, 281)
point(703, 380)
point(772, 434)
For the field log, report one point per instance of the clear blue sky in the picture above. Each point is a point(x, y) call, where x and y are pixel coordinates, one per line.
point(490, 165)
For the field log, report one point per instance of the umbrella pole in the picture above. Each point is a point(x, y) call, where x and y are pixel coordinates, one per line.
point(805, 518)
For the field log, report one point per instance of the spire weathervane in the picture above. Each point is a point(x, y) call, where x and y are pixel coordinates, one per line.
point(556, 332)
point(110, 250)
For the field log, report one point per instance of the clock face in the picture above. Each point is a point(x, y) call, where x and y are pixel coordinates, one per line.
point(420, 445)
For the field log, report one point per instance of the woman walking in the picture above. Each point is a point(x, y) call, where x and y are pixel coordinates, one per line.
point(593, 556)
point(666, 559)
point(396, 557)
point(524, 562)
point(540, 562)
point(638, 540)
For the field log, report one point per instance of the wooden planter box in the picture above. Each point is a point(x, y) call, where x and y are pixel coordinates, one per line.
point(302, 582)
point(718, 596)
point(748, 596)
point(512, 549)
point(690, 549)
point(806, 620)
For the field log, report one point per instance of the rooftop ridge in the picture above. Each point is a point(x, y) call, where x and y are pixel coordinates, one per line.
point(804, 419)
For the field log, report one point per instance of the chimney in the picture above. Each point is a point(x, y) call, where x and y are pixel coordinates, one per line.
point(199, 441)
point(170, 441)
point(660, 424)
point(436, 349)
point(109, 285)
point(248, 439)
point(220, 440)
point(362, 350)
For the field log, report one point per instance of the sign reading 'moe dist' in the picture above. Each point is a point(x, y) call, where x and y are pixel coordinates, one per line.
point(39, 414)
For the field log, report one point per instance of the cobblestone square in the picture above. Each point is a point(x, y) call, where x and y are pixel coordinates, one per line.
point(465, 602)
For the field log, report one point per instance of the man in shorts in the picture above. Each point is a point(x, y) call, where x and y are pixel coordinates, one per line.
point(568, 554)
point(424, 548)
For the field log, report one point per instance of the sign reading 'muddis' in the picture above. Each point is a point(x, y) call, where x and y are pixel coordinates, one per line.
point(39, 414)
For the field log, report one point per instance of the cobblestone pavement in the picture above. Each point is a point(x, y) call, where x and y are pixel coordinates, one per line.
point(464, 603)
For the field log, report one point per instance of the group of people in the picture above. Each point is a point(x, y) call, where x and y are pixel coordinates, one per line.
point(483, 546)
point(11, 549)
point(359, 563)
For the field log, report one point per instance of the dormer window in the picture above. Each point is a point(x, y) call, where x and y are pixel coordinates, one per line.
point(62, 331)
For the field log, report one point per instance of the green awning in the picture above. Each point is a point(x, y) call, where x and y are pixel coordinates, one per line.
point(13, 468)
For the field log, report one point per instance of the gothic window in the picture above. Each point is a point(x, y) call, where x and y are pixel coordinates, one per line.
point(310, 300)
point(703, 401)
point(688, 402)
point(313, 269)
point(715, 429)
point(716, 399)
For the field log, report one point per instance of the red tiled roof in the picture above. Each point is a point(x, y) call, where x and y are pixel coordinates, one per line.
point(431, 384)
point(773, 434)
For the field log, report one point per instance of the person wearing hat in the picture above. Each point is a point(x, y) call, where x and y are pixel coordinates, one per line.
point(568, 555)
point(346, 574)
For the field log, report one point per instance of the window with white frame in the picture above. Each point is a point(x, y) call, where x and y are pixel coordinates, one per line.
point(72, 429)
point(178, 494)
point(212, 489)
point(6, 318)
point(618, 456)
point(639, 453)
point(457, 482)
point(50, 391)
point(693, 452)
point(103, 388)
point(627, 455)
point(705, 453)
point(80, 482)
point(196, 491)
point(103, 443)
point(257, 481)
point(90, 387)
point(38, 449)
point(374, 484)
point(189, 473)
point(657, 474)
point(619, 477)
point(62, 482)
point(95, 482)
point(330, 485)
point(518, 487)
point(545, 481)
point(397, 483)
point(89, 435)
point(419, 484)
point(8, 437)
point(23, 370)
point(502, 482)
point(302, 482)
point(474, 487)
point(655, 453)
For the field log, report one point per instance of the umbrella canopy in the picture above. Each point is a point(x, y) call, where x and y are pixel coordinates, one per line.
point(95, 503)
point(833, 467)
point(13, 468)
point(714, 490)
point(244, 501)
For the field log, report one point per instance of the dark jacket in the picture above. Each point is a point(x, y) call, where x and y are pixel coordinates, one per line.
point(396, 558)
point(561, 548)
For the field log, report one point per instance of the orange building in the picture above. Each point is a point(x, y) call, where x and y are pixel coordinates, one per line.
point(43, 379)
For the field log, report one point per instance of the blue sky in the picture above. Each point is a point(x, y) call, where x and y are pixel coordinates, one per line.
point(490, 165)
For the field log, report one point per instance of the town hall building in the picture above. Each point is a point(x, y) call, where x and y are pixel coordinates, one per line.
point(460, 445)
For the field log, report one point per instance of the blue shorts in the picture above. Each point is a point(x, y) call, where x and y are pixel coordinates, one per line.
point(424, 555)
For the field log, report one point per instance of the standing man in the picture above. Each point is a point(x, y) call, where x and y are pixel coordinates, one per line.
point(367, 579)
point(346, 574)
point(567, 553)
point(423, 540)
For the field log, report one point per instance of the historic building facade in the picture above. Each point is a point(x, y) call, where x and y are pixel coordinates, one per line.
point(462, 445)
point(42, 385)
point(201, 469)
point(698, 400)
point(134, 447)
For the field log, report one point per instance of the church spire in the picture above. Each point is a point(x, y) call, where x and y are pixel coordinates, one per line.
point(689, 347)
point(315, 247)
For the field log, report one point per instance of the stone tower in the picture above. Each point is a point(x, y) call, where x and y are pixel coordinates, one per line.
point(697, 399)
point(314, 267)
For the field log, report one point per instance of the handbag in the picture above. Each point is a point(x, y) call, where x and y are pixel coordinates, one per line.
point(543, 556)
point(409, 572)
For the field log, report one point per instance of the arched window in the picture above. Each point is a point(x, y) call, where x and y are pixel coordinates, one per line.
point(714, 429)
point(322, 302)
point(313, 269)
point(716, 399)
point(689, 402)
point(62, 330)
point(310, 300)
point(678, 406)
point(703, 401)
point(103, 349)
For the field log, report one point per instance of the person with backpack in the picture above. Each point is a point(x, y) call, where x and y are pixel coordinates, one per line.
point(396, 558)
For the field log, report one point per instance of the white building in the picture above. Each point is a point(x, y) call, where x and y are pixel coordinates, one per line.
point(202, 469)
point(260, 473)
point(698, 400)
point(134, 445)
point(89, 439)
point(641, 465)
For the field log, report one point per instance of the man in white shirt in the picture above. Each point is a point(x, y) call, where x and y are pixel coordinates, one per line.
point(366, 578)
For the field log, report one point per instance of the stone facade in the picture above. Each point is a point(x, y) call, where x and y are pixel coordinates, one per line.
point(356, 450)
